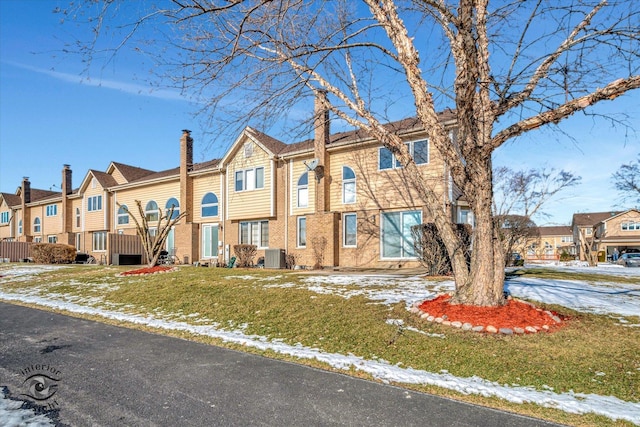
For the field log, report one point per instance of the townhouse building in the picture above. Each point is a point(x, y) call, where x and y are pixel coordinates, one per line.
point(607, 232)
point(338, 199)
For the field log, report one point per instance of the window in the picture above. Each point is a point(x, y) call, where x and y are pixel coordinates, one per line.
point(419, 150)
point(4, 218)
point(94, 183)
point(255, 233)
point(36, 225)
point(588, 231)
point(78, 217)
point(20, 227)
point(349, 230)
point(465, 216)
point(94, 203)
point(301, 239)
point(37, 239)
point(397, 240)
point(209, 241)
point(151, 211)
point(52, 210)
point(52, 239)
point(248, 150)
point(123, 215)
point(630, 226)
point(78, 241)
point(100, 241)
point(303, 190)
point(210, 205)
point(176, 207)
point(348, 185)
point(566, 239)
point(249, 179)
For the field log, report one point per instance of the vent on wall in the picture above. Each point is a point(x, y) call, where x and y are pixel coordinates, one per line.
point(274, 258)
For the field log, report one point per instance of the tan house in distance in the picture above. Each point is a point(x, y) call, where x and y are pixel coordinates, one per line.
point(552, 242)
point(610, 231)
point(337, 199)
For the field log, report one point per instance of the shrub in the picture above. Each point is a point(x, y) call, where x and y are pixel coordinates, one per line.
point(291, 260)
point(245, 254)
point(430, 248)
point(53, 253)
point(566, 256)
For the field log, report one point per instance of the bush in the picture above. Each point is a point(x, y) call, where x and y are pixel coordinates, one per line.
point(53, 253)
point(565, 256)
point(245, 255)
point(430, 248)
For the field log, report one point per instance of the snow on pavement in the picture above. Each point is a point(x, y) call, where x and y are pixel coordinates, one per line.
point(381, 289)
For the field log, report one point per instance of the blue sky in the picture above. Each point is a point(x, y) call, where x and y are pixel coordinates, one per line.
point(51, 114)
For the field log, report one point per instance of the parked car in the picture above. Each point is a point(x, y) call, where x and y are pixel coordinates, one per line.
point(629, 260)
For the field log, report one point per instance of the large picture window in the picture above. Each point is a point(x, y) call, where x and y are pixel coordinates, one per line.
point(209, 205)
point(209, 240)
point(397, 240)
point(255, 233)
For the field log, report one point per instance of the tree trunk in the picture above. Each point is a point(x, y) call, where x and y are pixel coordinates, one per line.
point(484, 284)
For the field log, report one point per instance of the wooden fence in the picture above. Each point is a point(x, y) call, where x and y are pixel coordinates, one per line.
point(15, 251)
point(124, 244)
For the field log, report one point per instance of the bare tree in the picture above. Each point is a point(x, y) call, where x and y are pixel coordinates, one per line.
point(590, 245)
point(515, 231)
point(507, 68)
point(153, 242)
point(627, 181)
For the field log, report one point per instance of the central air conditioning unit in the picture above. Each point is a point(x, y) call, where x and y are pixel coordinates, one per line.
point(274, 258)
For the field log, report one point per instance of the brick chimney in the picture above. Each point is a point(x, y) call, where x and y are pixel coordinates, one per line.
point(186, 166)
point(26, 213)
point(66, 180)
point(320, 142)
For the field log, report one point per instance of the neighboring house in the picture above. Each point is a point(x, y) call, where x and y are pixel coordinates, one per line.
point(554, 241)
point(335, 200)
point(607, 231)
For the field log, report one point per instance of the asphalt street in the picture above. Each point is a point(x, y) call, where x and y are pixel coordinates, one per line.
point(92, 374)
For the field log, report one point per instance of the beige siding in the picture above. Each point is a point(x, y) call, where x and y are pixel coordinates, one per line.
point(376, 189)
point(298, 169)
point(253, 203)
point(614, 225)
point(160, 193)
point(52, 224)
point(201, 186)
point(120, 179)
point(96, 219)
point(5, 228)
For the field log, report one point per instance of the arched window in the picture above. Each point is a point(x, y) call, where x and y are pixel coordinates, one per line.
point(78, 217)
point(151, 211)
point(348, 185)
point(20, 227)
point(123, 215)
point(176, 207)
point(36, 225)
point(210, 205)
point(303, 190)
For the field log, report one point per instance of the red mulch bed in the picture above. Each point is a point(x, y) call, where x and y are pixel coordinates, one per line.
point(514, 314)
point(146, 270)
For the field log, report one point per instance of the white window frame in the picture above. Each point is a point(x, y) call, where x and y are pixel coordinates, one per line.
point(94, 203)
point(301, 232)
point(123, 215)
point(348, 182)
point(37, 239)
point(99, 241)
point(214, 205)
point(20, 227)
point(302, 191)
point(254, 229)
point(395, 163)
point(176, 210)
point(37, 225)
point(630, 226)
point(249, 179)
point(77, 217)
point(150, 213)
point(51, 210)
point(52, 239)
point(403, 239)
point(214, 243)
point(345, 217)
point(4, 217)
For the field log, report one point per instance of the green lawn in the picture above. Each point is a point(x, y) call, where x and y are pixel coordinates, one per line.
point(593, 354)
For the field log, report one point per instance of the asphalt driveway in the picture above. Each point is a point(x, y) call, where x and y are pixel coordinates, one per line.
point(103, 375)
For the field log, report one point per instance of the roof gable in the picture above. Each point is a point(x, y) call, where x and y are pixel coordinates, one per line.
point(11, 200)
point(129, 173)
point(589, 219)
point(269, 144)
